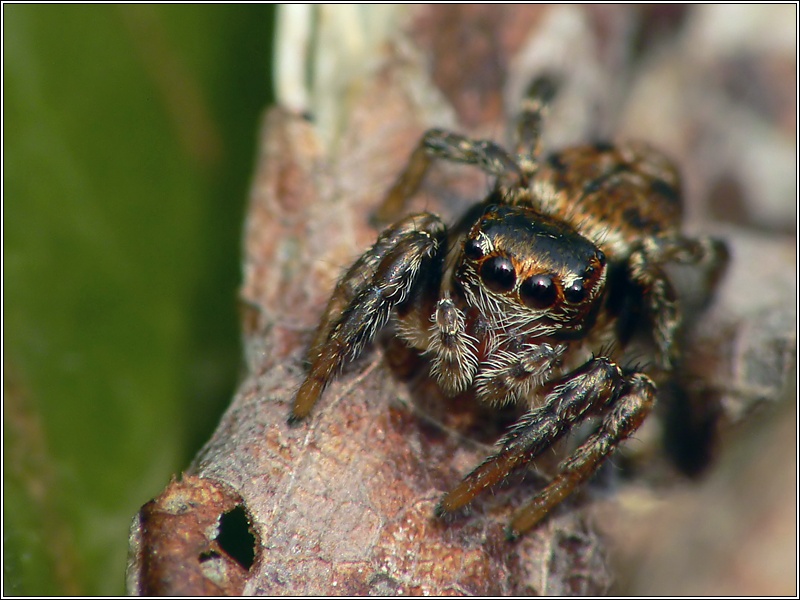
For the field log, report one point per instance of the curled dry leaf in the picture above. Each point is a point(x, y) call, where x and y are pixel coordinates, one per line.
point(182, 541)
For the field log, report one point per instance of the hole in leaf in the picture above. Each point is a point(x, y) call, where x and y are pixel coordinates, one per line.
point(235, 538)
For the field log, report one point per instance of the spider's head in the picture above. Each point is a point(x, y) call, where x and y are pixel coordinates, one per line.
point(532, 268)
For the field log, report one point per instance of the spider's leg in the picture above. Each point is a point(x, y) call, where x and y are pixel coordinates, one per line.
point(645, 269)
point(529, 122)
point(363, 300)
point(710, 254)
point(437, 143)
point(361, 273)
point(622, 419)
point(588, 389)
point(662, 303)
point(690, 419)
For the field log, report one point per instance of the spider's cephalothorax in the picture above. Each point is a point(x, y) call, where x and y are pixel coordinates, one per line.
point(526, 298)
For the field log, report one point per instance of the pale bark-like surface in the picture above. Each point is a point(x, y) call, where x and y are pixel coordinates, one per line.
point(343, 502)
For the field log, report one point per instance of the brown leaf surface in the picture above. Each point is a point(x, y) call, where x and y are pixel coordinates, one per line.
point(343, 502)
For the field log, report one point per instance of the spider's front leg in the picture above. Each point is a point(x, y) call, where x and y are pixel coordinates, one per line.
point(404, 264)
point(623, 418)
point(597, 387)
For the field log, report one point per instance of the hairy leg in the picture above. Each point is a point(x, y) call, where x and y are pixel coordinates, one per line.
point(363, 300)
point(437, 143)
point(529, 122)
point(645, 268)
point(589, 389)
point(623, 418)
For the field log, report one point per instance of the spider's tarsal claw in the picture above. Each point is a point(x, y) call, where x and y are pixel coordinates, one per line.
point(450, 516)
point(306, 398)
point(491, 472)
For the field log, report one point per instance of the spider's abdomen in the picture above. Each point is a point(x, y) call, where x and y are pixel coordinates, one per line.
point(614, 195)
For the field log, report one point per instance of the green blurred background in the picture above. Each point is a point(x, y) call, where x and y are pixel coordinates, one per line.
point(129, 137)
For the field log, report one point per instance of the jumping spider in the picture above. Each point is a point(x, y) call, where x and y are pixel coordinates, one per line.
point(564, 257)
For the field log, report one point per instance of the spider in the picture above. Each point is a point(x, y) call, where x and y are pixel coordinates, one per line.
point(564, 258)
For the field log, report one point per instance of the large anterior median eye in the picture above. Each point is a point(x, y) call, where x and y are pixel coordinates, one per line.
point(498, 274)
point(538, 291)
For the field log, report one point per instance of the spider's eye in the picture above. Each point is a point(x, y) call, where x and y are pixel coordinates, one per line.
point(601, 257)
point(538, 291)
point(575, 293)
point(473, 249)
point(498, 274)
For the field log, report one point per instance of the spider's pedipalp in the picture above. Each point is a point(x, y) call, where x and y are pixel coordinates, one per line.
point(514, 376)
point(454, 351)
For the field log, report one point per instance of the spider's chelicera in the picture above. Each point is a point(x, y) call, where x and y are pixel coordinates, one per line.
point(529, 296)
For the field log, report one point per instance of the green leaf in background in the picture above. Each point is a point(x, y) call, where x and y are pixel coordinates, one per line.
point(128, 143)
